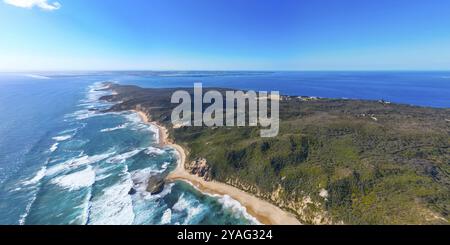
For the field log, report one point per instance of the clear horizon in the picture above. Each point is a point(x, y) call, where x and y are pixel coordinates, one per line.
point(161, 35)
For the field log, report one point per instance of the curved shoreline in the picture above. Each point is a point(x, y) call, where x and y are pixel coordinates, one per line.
point(263, 211)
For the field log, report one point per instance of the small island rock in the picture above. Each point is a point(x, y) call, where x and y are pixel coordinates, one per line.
point(155, 185)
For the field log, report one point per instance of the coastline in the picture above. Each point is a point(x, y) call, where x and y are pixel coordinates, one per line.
point(263, 211)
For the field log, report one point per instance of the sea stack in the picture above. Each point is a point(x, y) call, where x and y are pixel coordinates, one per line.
point(155, 185)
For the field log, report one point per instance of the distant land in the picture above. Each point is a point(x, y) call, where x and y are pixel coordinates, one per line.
point(336, 161)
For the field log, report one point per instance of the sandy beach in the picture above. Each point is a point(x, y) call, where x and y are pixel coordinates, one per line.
point(263, 211)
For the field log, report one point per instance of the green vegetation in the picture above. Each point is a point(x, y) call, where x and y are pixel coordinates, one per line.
point(379, 163)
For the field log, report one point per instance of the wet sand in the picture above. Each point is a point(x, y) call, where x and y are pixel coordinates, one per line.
point(263, 211)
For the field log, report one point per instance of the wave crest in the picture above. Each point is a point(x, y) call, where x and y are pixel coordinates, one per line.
point(77, 180)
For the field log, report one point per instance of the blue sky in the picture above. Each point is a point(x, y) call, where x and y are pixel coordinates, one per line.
point(224, 35)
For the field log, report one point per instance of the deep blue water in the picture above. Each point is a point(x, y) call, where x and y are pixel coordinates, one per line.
point(415, 88)
point(63, 164)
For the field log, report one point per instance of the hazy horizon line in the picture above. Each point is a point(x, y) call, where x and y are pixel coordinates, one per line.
point(229, 70)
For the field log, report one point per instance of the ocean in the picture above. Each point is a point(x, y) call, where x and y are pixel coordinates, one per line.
point(62, 163)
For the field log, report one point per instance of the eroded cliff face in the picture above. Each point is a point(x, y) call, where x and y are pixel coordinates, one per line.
point(393, 163)
point(200, 168)
point(307, 210)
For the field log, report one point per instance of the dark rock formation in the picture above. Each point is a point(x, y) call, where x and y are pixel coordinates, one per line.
point(155, 184)
point(365, 154)
point(132, 191)
point(200, 168)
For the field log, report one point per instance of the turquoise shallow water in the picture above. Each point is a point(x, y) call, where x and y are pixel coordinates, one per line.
point(86, 165)
point(61, 163)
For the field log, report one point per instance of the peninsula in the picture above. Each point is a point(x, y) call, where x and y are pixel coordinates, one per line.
point(336, 161)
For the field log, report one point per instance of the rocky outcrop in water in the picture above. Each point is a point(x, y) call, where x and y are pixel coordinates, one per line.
point(360, 152)
point(132, 191)
point(155, 184)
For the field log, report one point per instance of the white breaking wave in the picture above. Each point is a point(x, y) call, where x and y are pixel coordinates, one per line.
point(137, 124)
point(77, 162)
point(82, 114)
point(35, 183)
point(236, 208)
point(86, 113)
point(39, 175)
point(155, 131)
point(165, 166)
point(101, 85)
point(58, 139)
point(72, 130)
point(24, 216)
point(231, 204)
point(62, 138)
point(153, 150)
point(142, 175)
point(96, 91)
point(114, 206)
point(102, 177)
point(85, 207)
point(54, 147)
point(121, 158)
point(161, 170)
point(166, 191)
point(181, 204)
point(134, 118)
point(106, 170)
point(167, 217)
point(77, 180)
point(194, 212)
point(91, 101)
point(140, 179)
point(193, 209)
point(122, 126)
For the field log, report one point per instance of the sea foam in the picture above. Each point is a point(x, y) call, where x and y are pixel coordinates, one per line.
point(62, 138)
point(122, 126)
point(32, 182)
point(114, 206)
point(167, 217)
point(121, 158)
point(77, 180)
point(228, 203)
point(24, 216)
point(155, 151)
point(236, 208)
point(77, 162)
point(54, 147)
point(193, 208)
point(39, 175)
